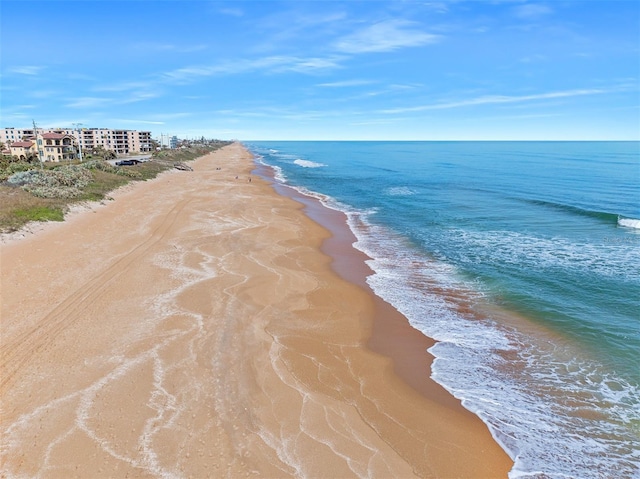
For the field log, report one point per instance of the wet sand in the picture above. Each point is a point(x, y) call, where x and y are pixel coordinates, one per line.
point(195, 327)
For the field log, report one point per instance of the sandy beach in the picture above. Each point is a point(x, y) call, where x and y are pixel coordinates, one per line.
point(202, 325)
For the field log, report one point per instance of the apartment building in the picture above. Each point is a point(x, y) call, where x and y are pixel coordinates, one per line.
point(23, 149)
point(58, 146)
point(12, 135)
point(121, 142)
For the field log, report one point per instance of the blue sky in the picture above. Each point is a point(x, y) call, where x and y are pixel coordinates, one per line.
point(370, 70)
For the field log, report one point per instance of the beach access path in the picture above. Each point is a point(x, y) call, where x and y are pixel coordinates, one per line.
point(192, 327)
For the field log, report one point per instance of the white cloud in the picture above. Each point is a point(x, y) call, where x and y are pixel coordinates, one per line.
point(135, 97)
point(385, 37)
point(501, 99)
point(345, 83)
point(272, 64)
point(234, 12)
point(26, 69)
point(438, 7)
point(169, 47)
point(531, 10)
point(309, 65)
point(99, 102)
point(145, 122)
point(126, 86)
point(88, 102)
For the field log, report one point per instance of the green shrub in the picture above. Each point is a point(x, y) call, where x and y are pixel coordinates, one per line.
point(129, 173)
point(9, 168)
point(62, 182)
point(100, 165)
point(23, 177)
point(47, 191)
point(16, 166)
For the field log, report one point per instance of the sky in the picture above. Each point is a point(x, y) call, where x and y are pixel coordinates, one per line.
point(325, 70)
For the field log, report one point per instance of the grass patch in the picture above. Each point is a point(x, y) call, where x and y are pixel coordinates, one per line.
point(40, 213)
point(102, 184)
point(151, 169)
point(17, 208)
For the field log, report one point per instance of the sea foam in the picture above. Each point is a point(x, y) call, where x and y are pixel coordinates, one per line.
point(530, 407)
point(308, 164)
point(629, 223)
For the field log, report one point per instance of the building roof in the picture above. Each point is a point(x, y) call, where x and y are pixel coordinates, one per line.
point(22, 144)
point(53, 136)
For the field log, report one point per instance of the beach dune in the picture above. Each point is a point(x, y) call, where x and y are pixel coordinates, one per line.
point(194, 327)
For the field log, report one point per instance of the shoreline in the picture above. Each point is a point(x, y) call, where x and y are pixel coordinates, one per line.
point(391, 333)
point(206, 332)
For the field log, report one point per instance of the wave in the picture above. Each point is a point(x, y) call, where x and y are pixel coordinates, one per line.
point(629, 223)
point(539, 254)
point(308, 164)
point(576, 210)
point(515, 382)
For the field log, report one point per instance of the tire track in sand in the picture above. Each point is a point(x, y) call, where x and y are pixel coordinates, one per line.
point(16, 355)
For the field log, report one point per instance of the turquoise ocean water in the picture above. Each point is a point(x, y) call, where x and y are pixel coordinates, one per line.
point(522, 259)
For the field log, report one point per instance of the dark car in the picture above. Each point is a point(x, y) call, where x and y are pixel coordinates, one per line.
point(127, 162)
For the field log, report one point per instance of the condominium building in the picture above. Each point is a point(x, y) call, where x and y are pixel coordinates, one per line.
point(57, 146)
point(121, 142)
point(12, 135)
point(23, 149)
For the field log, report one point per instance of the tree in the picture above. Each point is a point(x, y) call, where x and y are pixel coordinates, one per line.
point(102, 152)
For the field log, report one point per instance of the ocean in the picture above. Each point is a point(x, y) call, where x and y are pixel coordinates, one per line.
point(522, 260)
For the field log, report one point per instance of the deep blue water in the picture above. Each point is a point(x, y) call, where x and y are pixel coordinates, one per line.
point(523, 260)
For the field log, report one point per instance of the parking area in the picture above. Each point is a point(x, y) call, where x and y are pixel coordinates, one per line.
point(135, 159)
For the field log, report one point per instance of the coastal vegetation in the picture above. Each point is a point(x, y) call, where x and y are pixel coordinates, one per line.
point(31, 191)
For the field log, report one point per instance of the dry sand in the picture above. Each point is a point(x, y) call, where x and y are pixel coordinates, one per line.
point(193, 327)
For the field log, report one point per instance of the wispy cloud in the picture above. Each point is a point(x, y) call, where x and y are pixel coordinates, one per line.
point(234, 12)
point(88, 102)
point(502, 99)
point(126, 86)
point(345, 83)
point(100, 102)
point(171, 116)
point(272, 64)
point(169, 47)
point(531, 11)
point(155, 119)
point(438, 7)
point(144, 122)
point(533, 58)
point(280, 31)
point(26, 69)
point(135, 97)
point(385, 37)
